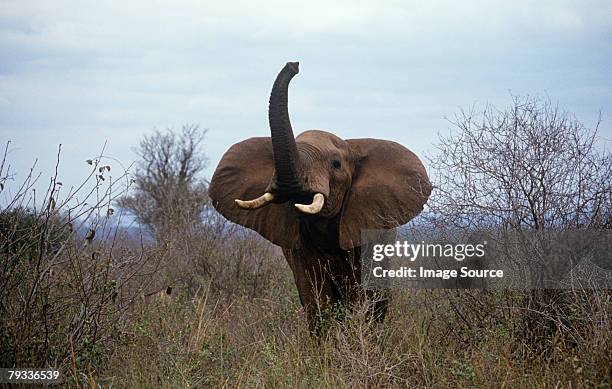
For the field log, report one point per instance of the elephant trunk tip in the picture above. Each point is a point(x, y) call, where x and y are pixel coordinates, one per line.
point(293, 66)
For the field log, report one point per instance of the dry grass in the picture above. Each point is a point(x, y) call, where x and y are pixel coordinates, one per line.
point(211, 341)
point(240, 324)
point(97, 308)
point(233, 319)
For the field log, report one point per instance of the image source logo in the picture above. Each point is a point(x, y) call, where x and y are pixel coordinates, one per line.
point(486, 260)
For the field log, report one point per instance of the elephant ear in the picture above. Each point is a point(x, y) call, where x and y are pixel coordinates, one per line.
point(390, 187)
point(244, 172)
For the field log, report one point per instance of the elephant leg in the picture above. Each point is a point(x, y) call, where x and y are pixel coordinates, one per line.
point(377, 300)
point(327, 288)
point(316, 290)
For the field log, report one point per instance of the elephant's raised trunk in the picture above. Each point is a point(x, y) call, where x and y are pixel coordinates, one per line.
point(286, 159)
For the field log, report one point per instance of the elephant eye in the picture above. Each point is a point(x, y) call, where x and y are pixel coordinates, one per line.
point(336, 164)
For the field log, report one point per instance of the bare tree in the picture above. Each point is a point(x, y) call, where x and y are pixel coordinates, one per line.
point(530, 166)
point(527, 169)
point(170, 193)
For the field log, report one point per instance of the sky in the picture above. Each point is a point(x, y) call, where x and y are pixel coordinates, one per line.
point(82, 73)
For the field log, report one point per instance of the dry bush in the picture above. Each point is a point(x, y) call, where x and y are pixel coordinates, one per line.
point(74, 280)
point(66, 279)
point(527, 169)
point(232, 260)
point(530, 166)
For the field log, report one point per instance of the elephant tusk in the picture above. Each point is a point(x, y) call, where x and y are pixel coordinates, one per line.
point(259, 202)
point(315, 207)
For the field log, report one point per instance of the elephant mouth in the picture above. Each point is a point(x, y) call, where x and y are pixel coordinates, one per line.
point(303, 198)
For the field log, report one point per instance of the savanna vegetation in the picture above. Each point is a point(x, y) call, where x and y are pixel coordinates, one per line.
point(130, 278)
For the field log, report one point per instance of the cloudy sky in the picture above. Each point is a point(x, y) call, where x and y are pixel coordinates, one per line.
point(81, 73)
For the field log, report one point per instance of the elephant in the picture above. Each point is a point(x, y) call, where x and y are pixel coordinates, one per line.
point(313, 194)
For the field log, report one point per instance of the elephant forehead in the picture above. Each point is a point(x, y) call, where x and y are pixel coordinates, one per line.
point(323, 141)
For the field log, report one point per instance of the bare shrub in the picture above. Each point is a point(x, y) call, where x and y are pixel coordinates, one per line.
point(66, 277)
point(226, 256)
point(530, 167)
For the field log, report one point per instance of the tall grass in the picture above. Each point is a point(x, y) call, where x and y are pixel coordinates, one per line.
point(263, 342)
point(217, 307)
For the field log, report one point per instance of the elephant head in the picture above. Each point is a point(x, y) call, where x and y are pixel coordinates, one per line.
point(274, 185)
